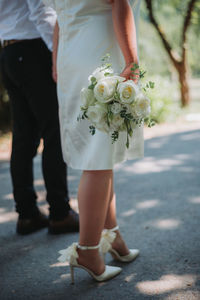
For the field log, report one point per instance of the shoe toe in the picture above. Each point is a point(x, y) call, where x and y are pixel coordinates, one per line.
point(69, 224)
point(109, 273)
point(133, 254)
point(27, 226)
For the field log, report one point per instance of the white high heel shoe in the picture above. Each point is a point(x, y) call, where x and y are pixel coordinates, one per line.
point(107, 238)
point(70, 254)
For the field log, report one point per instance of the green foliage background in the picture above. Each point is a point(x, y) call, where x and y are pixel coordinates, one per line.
point(154, 59)
point(170, 15)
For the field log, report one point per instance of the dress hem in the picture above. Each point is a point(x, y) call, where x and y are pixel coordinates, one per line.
point(105, 168)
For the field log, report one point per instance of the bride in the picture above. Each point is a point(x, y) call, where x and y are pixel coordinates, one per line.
point(85, 32)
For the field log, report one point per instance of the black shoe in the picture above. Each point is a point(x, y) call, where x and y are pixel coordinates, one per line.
point(69, 224)
point(26, 226)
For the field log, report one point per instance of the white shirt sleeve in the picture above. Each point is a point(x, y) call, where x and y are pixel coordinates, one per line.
point(44, 19)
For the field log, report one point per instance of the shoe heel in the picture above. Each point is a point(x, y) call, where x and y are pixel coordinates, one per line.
point(72, 273)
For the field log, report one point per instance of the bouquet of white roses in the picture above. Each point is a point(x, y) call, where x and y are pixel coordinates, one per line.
point(113, 105)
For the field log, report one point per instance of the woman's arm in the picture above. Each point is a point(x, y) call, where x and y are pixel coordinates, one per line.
point(124, 26)
point(55, 50)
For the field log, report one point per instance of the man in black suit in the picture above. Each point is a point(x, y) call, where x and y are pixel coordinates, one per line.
point(26, 28)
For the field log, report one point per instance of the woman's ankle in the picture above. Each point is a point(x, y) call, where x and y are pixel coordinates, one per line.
point(92, 260)
point(119, 244)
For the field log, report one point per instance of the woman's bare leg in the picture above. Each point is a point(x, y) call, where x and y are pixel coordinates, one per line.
point(111, 222)
point(93, 198)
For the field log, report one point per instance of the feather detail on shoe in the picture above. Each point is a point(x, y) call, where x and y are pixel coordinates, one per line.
point(107, 237)
point(68, 253)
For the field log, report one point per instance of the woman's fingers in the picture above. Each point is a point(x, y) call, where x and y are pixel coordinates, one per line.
point(130, 74)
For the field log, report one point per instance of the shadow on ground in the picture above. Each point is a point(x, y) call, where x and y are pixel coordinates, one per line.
point(158, 212)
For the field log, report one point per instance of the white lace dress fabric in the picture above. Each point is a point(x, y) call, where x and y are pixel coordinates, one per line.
point(86, 35)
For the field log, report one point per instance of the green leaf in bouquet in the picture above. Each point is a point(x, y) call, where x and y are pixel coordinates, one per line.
point(91, 87)
point(109, 115)
point(139, 122)
point(92, 129)
point(106, 61)
point(151, 123)
point(116, 96)
point(142, 73)
point(93, 79)
point(93, 83)
point(129, 116)
point(84, 116)
point(107, 120)
point(151, 84)
point(108, 65)
point(115, 136)
point(129, 131)
point(135, 67)
point(125, 115)
point(106, 57)
point(107, 74)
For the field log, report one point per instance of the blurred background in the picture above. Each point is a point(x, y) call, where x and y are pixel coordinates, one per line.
point(169, 52)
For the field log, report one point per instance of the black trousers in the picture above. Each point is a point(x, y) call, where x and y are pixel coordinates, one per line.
point(26, 71)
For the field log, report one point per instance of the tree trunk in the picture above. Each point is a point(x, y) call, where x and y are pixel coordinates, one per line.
point(180, 63)
point(184, 86)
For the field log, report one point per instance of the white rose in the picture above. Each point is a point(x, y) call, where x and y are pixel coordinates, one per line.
point(118, 78)
point(142, 106)
point(105, 89)
point(99, 73)
point(116, 108)
point(103, 126)
point(87, 97)
point(96, 113)
point(117, 122)
point(127, 91)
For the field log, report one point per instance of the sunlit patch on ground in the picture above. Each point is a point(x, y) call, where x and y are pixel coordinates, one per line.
point(8, 217)
point(157, 144)
point(59, 264)
point(38, 182)
point(152, 165)
point(166, 283)
point(74, 204)
point(41, 195)
point(62, 278)
point(195, 200)
point(166, 223)
point(148, 204)
point(71, 178)
point(129, 278)
point(8, 197)
point(128, 213)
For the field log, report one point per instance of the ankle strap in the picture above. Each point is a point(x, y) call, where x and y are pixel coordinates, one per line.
point(114, 229)
point(87, 247)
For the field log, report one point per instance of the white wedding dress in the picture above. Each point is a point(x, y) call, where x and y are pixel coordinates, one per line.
point(86, 35)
